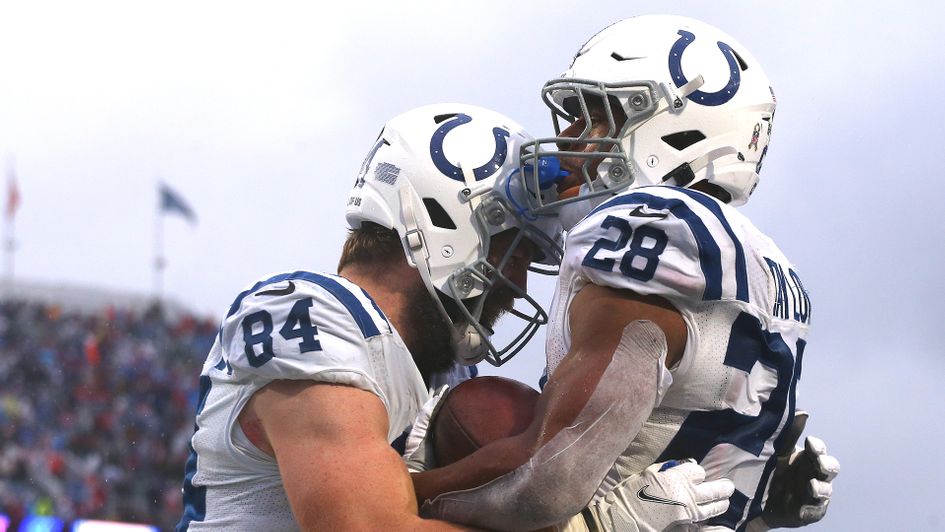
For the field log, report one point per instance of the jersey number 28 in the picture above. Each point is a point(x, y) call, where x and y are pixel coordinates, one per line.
point(641, 258)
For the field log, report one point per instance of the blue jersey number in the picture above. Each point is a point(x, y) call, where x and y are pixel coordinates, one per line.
point(641, 258)
point(298, 324)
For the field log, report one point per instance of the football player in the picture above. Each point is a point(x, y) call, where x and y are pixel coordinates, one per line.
point(314, 378)
point(676, 324)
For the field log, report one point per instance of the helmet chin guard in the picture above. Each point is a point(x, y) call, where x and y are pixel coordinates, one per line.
point(439, 176)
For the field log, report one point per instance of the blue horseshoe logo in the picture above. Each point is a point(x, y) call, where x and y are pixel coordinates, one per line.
point(452, 171)
point(704, 98)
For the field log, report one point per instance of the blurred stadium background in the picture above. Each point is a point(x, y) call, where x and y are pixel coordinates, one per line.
point(260, 115)
point(97, 391)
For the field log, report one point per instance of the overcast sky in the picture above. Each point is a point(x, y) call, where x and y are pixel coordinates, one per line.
point(259, 116)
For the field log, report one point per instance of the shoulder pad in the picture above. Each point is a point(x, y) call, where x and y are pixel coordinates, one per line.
point(298, 324)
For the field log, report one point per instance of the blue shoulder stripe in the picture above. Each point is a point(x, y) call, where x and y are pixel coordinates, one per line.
point(710, 256)
point(378, 309)
point(741, 268)
point(336, 289)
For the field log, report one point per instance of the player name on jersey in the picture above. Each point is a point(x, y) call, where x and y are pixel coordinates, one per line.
point(791, 300)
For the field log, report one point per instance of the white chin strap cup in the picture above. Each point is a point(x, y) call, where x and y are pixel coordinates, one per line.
point(469, 346)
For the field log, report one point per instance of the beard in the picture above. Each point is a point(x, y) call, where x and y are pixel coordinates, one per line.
point(433, 350)
point(498, 301)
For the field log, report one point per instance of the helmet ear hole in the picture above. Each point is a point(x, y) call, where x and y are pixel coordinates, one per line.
point(683, 139)
point(438, 215)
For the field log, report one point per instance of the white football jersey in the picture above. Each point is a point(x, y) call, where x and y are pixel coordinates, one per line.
point(300, 325)
point(747, 316)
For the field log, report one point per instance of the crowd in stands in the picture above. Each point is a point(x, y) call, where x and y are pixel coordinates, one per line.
point(96, 411)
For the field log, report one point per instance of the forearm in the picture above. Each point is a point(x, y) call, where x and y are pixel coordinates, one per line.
point(337, 467)
point(563, 474)
point(486, 464)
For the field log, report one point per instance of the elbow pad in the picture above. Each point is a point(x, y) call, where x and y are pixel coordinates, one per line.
point(563, 475)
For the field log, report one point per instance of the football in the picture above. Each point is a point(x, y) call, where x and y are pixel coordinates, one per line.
point(479, 411)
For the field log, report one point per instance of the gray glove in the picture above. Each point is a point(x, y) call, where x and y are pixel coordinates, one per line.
point(801, 484)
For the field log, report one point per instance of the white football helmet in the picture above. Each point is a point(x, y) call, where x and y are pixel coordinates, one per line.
point(440, 176)
point(698, 107)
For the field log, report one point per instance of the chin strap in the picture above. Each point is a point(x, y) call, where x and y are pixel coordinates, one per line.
point(467, 342)
point(676, 97)
point(413, 237)
point(470, 179)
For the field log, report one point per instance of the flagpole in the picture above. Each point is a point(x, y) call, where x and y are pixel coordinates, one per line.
point(10, 248)
point(158, 248)
point(168, 202)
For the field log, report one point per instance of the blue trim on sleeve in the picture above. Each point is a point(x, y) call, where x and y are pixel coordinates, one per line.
point(336, 289)
point(400, 443)
point(741, 268)
point(710, 256)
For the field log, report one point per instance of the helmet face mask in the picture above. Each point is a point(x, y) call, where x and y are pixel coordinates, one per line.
point(438, 175)
point(697, 107)
point(474, 310)
point(606, 168)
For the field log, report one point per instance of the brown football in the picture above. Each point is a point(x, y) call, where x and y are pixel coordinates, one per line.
point(480, 411)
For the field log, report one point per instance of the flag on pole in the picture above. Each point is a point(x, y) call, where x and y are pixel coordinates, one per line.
point(172, 202)
point(13, 193)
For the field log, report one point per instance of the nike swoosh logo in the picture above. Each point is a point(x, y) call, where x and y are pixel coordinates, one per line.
point(638, 212)
point(644, 496)
point(278, 291)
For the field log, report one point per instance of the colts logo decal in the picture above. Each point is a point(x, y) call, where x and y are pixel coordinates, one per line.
point(452, 171)
point(700, 97)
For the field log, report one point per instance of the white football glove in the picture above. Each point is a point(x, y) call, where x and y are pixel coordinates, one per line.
point(665, 496)
point(418, 451)
point(801, 485)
